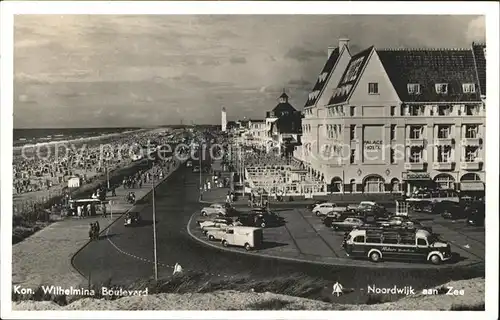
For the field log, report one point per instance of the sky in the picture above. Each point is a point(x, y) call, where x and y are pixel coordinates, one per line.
point(117, 70)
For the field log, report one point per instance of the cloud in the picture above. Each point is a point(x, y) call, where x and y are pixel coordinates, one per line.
point(186, 66)
point(236, 60)
point(303, 54)
point(476, 30)
point(299, 83)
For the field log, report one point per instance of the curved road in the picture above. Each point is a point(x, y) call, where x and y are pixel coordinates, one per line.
point(127, 253)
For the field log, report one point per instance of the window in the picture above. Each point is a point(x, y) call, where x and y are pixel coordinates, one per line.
point(230, 231)
point(444, 153)
point(372, 239)
point(373, 88)
point(353, 131)
point(421, 242)
point(413, 88)
point(471, 153)
point(390, 240)
point(471, 110)
point(416, 110)
point(393, 110)
point(359, 239)
point(415, 154)
point(416, 132)
point(444, 131)
point(353, 156)
point(393, 132)
point(471, 131)
point(444, 110)
point(393, 156)
point(442, 88)
point(353, 110)
point(469, 88)
point(407, 241)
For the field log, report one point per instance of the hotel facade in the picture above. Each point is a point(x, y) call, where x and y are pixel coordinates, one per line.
point(394, 120)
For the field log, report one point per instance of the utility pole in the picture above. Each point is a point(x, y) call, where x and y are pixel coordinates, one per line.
point(154, 233)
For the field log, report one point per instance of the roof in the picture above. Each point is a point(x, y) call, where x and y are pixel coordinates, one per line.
point(284, 95)
point(323, 77)
point(479, 51)
point(429, 67)
point(290, 123)
point(350, 76)
point(283, 106)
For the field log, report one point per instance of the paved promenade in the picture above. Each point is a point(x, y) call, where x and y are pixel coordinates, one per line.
point(45, 257)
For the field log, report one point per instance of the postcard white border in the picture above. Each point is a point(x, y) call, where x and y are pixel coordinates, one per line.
point(9, 8)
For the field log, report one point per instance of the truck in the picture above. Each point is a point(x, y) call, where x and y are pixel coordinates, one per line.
point(248, 237)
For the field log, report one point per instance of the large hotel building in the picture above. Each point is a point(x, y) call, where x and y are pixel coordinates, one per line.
point(393, 120)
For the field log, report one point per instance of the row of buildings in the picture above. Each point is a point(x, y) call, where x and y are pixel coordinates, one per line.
point(388, 120)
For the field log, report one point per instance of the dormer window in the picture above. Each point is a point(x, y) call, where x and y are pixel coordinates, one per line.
point(442, 88)
point(373, 88)
point(413, 88)
point(469, 88)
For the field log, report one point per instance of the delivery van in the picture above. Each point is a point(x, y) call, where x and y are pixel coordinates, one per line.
point(240, 236)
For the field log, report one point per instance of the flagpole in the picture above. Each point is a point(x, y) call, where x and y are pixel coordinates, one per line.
point(154, 232)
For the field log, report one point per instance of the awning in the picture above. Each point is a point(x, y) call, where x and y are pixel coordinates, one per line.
point(472, 186)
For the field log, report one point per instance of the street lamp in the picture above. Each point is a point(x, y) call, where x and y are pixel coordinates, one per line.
point(154, 232)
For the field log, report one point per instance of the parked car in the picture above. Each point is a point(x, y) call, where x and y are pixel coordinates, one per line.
point(402, 222)
point(314, 204)
point(215, 233)
point(347, 224)
point(337, 216)
point(260, 218)
point(449, 210)
point(217, 223)
point(327, 207)
point(248, 237)
point(475, 214)
point(215, 208)
point(361, 205)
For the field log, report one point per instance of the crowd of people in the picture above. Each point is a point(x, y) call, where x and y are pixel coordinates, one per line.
point(37, 175)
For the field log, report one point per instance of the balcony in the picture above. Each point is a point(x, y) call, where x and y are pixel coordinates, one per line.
point(443, 165)
point(472, 141)
point(473, 165)
point(445, 141)
point(415, 142)
point(415, 166)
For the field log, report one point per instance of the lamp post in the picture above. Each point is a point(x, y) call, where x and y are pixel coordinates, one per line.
point(154, 233)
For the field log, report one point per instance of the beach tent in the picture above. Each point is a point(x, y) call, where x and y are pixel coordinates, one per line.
point(74, 182)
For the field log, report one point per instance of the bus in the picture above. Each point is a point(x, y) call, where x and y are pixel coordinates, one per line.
point(386, 243)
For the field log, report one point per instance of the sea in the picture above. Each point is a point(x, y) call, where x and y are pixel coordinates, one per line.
point(33, 136)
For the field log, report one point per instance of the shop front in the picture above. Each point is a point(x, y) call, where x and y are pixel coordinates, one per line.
point(472, 186)
point(414, 181)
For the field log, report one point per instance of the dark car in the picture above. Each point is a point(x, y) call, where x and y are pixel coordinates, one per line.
point(376, 211)
point(348, 224)
point(448, 210)
point(314, 204)
point(260, 218)
point(475, 214)
point(401, 222)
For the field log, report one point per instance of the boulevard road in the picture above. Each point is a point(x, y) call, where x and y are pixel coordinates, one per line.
point(127, 253)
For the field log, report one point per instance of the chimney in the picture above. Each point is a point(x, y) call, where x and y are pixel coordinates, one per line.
point(330, 50)
point(343, 42)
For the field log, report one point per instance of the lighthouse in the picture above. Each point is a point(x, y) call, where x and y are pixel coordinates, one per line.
point(223, 119)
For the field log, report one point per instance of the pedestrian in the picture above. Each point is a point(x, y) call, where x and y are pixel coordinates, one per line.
point(104, 212)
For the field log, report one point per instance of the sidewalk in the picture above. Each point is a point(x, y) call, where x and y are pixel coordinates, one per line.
point(45, 257)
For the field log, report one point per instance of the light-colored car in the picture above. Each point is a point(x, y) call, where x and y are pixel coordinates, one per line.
point(325, 208)
point(215, 233)
point(362, 205)
point(215, 208)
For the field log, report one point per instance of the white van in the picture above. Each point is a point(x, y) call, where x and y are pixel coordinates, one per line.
point(248, 237)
